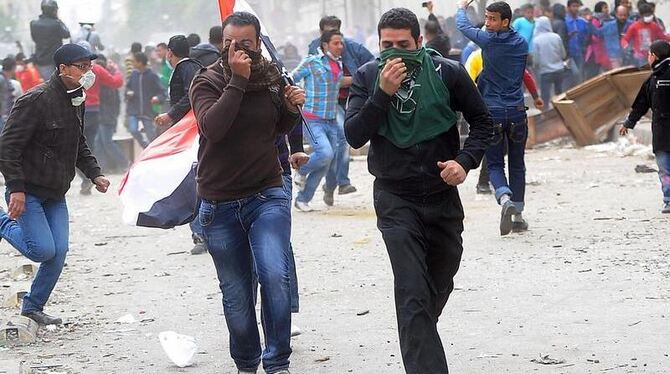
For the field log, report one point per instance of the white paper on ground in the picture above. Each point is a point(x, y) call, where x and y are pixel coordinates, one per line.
point(181, 349)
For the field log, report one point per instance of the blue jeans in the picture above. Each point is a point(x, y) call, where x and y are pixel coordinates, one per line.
point(109, 155)
point(149, 129)
point(663, 162)
point(41, 234)
point(513, 132)
point(326, 134)
point(249, 238)
point(293, 281)
point(338, 173)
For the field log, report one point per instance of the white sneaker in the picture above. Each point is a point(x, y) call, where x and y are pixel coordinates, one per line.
point(300, 181)
point(303, 207)
point(295, 330)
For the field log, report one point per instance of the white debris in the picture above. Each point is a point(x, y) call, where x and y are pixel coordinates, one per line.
point(181, 349)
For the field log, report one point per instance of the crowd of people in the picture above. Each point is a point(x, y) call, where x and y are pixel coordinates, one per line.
point(61, 108)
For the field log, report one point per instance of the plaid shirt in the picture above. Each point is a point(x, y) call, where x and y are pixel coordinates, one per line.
point(321, 85)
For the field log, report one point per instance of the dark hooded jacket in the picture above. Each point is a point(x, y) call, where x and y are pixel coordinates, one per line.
point(655, 95)
point(206, 54)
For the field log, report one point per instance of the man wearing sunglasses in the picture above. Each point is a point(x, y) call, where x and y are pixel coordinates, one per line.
point(40, 146)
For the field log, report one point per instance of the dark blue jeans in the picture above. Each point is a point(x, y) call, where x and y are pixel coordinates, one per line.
point(109, 155)
point(513, 132)
point(663, 161)
point(40, 234)
point(149, 130)
point(247, 239)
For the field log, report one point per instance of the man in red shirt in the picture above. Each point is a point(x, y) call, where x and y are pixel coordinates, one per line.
point(642, 33)
point(26, 73)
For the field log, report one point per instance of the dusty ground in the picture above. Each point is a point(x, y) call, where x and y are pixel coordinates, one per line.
point(590, 284)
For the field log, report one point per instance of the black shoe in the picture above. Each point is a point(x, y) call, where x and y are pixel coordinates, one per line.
point(508, 210)
point(328, 197)
point(42, 318)
point(200, 246)
point(199, 249)
point(520, 226)
point(484, 189)
point(343, 190)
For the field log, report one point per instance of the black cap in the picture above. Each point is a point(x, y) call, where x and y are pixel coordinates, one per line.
point(179, 46)
point(70, 53)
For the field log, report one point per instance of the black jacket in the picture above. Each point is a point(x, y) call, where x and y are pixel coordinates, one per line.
point(144, 86)
point(180, 84)
point(206, 54)
point(414, 171)
point(655, 95)
point(43, 142)
point(48, 34)
point(440, 43)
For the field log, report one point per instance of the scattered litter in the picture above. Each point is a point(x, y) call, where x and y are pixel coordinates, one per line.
point(634, 323)
point(162, 274)
point(181, 349)
point(336, 235)
point(623, 147)
point(363, 241)
point(101, 244)
point(546, 360)
point(24, 272)
point(52, 328)
point(645, 169)
point(585, 271)
point(176, 253)
point(119, 331)
point(322, 359)
point(127, 319)
point(363, 313)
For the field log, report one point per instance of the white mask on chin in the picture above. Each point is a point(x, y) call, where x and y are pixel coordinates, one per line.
point(648, 19)
point(77, 101)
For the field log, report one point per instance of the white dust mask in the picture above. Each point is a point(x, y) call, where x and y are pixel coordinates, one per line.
point(87, 80)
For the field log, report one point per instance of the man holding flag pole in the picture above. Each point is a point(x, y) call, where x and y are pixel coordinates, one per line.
point(241, 104)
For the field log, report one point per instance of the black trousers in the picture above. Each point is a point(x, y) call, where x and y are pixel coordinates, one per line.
point(423, 240)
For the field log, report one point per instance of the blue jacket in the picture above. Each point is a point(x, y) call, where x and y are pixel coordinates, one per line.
point(505, 54)
point(610, 32)
point(355, 54)
point(579, 36)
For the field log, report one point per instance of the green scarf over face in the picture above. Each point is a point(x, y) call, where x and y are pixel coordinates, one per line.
point(420, 110)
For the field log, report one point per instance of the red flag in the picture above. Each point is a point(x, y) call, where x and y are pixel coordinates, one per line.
point(226, 7)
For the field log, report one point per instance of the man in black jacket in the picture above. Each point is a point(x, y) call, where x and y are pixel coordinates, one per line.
point(404, 103)
point(434, 35)
point(40, 147)
point(48, 32)
point(185, 69)
point(655, 95)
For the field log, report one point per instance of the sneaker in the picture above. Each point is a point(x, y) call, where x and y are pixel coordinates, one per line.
point(86, 190)
point(42, 318)
point(303, 207)
point(343, 190)
point(328, 197)
point(199, 249)
point(285, 371)
point(508, 210)
point(300, 181)
point(520, 226)
point(295, 330)
point(666, 208)
point(200, 246)
point(484, 189)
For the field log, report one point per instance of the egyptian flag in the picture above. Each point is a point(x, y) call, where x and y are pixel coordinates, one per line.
point(159, 189)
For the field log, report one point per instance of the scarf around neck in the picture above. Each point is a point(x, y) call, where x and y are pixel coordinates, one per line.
point(420, 110)
point(264, 74)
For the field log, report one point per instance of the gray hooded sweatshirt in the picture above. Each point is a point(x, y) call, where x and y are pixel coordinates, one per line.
point(548, 50)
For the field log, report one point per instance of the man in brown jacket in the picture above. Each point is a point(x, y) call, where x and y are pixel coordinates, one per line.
point(242, 104)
